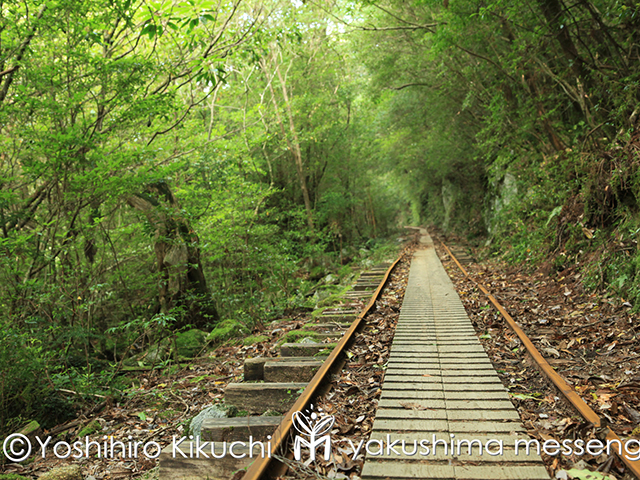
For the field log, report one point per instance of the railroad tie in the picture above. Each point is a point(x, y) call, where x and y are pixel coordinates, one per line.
point(441, 394)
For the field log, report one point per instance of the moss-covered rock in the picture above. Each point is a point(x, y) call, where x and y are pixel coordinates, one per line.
point(191, 342)
point(295, 336)
point(215, 411)
point(89, 429)
point(226, 330)
point(156, 353)
point(70, 472)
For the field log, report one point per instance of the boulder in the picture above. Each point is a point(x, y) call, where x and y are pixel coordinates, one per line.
point(191, 342)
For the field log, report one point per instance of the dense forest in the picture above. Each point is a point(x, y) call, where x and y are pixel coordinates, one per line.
point(171, 165)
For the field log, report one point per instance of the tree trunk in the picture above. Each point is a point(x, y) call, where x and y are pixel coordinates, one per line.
point(294, 147)
point(177, 256)
point(553, 11)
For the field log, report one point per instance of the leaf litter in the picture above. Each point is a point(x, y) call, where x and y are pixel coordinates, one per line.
point(161, 402)
point(353, 394)
point(591, 340)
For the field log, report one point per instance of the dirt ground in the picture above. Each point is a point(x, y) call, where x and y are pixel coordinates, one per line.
point(590, 340)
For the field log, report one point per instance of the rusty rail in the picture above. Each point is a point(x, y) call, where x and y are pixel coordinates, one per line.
point(260, 467)
point(566, 390)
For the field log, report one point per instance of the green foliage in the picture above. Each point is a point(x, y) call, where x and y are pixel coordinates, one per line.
point(89, 429)
point(182, 169)
point(25, 389)
point(147, 189)
point(227, 330)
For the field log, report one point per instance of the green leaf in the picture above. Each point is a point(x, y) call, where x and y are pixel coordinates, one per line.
point(587, 475)
point(524, 396)
point(150, 30)
point(555, 212)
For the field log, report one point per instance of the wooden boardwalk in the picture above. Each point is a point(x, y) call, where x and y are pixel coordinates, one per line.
point(441, 393)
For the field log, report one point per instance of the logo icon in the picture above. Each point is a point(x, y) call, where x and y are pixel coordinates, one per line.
point(317, 428)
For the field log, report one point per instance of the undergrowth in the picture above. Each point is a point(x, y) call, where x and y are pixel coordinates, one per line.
point(49, 374)
point(579, 211)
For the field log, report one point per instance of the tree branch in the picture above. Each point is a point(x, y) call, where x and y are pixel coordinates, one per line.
point(428, 27)
point(486, 59)
point(407, 85)
point(10, 72)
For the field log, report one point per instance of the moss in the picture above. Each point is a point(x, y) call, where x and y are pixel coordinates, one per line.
point(167, 413)
point(296, 335)
point(68, 472)
point(191, 342)
point(227, 330)
point(30, 427)
point(271, 413)
point(89, 429)
point(326, 351)
point(253, 339)
point(12, 476)
point(172, 370)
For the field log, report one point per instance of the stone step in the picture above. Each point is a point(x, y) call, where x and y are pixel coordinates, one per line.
point(239, 429)
point(340, 313)
point(324, 336)
point(361, 294)
point(174, 466)
point(291, 371)
point(254, 367)
point(365, 286)
point(304, 349)
point(260, 397)
point(317, 335)
point(346, 319)
point(370, 276)
point(319, 327)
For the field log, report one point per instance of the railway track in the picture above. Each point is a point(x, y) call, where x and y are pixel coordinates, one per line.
point(606, 434)
point(441, 393)
point(287, 383)
point(443, 412)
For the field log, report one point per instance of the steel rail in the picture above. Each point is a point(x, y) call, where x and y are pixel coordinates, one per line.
point(574, 399)
point(259, 468)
